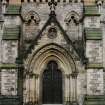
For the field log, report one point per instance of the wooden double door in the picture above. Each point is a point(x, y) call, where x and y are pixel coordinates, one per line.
point(52, 91)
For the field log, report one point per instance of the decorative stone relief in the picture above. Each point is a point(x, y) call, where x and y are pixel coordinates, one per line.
point(9, 51)
point(94, 51)
point(31, 15)
point(31, 25)
point(95, 82)
point(52, 32)
point(72, 16)
point(72, 21)
point(8, 82)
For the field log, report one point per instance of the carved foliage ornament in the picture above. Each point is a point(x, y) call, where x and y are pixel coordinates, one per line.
point(31, 15)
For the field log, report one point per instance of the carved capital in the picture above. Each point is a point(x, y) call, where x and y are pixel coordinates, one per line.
point(36, 76)
point(74, 74)
point(31, 75)
point(68, 75)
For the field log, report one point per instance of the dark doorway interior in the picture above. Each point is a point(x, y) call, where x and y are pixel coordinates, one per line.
point(52, 84)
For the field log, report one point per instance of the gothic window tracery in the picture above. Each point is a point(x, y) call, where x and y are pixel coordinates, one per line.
point(31, 16)
point(99, 4)
point(72, 16)
point(72, 23)
point(31, 24)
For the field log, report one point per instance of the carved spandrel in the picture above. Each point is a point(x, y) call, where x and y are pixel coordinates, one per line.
point(30, 31)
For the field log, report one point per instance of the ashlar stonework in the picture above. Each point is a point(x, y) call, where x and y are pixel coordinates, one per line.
point(52, 52)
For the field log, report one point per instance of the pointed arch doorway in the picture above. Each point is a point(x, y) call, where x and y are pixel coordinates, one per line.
point(52, 87)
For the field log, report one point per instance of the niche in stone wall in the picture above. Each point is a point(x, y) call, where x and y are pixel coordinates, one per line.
point(72, 23)
point(31, 25)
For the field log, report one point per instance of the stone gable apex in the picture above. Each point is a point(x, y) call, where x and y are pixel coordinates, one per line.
point(62, 38)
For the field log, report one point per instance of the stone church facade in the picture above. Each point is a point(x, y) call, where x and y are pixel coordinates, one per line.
point(52, 52)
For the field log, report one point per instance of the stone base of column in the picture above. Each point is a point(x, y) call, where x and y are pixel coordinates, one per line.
point(68, 103)
point(74, 103)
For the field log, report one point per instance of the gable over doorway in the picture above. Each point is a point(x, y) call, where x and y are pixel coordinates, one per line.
point(52, 64)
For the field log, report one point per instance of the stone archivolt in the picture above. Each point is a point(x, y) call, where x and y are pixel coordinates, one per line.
point(47, 53)
point(36, 65)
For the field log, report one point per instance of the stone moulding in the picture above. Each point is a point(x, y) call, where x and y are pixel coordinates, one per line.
point(47, 53)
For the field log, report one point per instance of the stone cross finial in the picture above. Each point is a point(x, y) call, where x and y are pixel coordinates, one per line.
point(52, 5)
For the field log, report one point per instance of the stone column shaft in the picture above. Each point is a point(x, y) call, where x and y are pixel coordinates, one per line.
point(67, 89)
point(74, 86)
point(36, 88)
